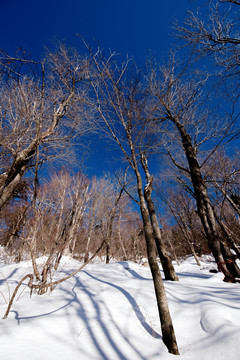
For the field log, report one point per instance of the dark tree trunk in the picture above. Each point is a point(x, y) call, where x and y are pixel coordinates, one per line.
point(204, 206)
point(107, 250)
point(10, 180)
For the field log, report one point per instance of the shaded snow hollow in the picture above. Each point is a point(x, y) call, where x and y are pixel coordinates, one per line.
point(109, 312)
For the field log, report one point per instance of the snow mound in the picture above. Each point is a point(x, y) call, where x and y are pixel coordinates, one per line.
point(215, 318)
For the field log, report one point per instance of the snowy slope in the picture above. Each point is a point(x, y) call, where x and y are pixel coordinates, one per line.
point(109, 312)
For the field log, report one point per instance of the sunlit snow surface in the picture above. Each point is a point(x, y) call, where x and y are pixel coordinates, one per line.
point(109, 312)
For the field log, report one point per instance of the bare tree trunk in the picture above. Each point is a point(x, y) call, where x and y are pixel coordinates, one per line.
point(168, 333)
point(22, 159)
point(86, 256)
point(194, 241)
point(184, 230)
point(16, 230)
point(192, 249)
point(110, 225)
point(70, 235)
point(166, 262)
point(226, 231)
point(173, 250)
point(19, 256)
point(205, 210)
point(135, 248)
point(120, 107)
point(120, 239)
point(107, 250)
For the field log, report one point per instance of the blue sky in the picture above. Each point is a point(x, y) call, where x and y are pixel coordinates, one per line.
point(132, 27)
point(127, 26)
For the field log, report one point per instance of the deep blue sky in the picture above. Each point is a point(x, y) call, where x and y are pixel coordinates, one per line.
point(130, 27)
point(127, 26)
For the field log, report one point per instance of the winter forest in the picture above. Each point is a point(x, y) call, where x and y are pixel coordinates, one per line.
point(168, 211)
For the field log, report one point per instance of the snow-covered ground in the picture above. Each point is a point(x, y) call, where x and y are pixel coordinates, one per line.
point(109, 312)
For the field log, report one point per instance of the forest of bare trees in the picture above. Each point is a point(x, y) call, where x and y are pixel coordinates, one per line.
point(175, 128)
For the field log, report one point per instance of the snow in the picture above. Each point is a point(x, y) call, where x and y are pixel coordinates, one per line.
point(109, 312)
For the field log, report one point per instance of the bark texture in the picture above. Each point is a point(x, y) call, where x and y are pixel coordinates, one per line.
point(168, 333)
point(205, 211)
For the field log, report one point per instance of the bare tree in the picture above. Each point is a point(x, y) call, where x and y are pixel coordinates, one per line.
point(183, 211)
point(38, 115)
point(79, 188)
point(214, 31)
point(165, 259)
point(105, 202)
point(183, 121)
point(120, 108)
point(223, 178)
point(13, 219)
point(54, 221)
point(130, 237)
point(95, 210)
point(213, 43)
point(167, 236)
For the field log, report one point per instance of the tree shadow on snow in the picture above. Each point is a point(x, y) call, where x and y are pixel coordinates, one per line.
point(5, 279)
point(133, 272)
point(95, 330)
point(194, 275)
point(95, 326)
point(134, 305)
